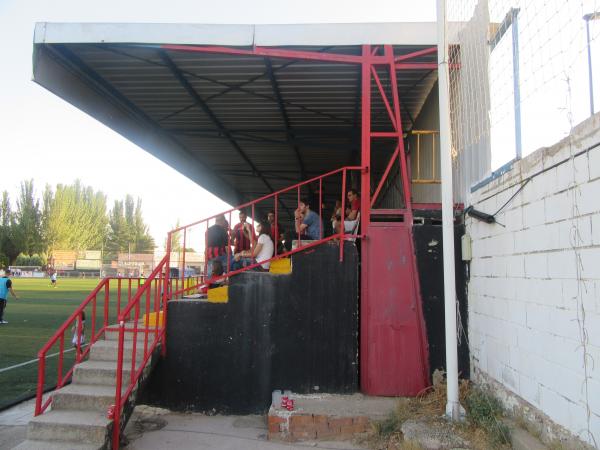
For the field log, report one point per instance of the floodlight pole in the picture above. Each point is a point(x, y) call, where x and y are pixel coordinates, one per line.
point(453, 408)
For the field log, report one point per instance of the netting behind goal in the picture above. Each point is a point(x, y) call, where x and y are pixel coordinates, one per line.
point(519, 77)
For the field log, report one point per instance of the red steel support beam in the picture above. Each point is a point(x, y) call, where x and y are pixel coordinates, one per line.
point(269, 52)
point(412, 55)
point(384, 98)
point(385, 175)
point(389, 53)
point(298, 54)
point(365, 206)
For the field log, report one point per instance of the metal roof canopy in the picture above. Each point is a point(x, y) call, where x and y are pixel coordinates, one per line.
point(238, 125)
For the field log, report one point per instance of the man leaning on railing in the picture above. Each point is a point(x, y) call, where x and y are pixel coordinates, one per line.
point(308, 222)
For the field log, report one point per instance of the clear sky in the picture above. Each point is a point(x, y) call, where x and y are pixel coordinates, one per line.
point(44, 138)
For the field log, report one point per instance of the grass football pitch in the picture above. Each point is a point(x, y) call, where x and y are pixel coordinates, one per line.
point(33, 319)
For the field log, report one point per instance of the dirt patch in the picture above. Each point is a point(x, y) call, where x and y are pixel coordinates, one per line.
point(420, 423)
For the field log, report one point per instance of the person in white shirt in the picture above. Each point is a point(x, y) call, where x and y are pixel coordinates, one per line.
point(262, 251)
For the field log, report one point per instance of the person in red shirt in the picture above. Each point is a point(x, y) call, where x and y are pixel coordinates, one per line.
point(217, 243)
point(243, 235)
point(351, 216)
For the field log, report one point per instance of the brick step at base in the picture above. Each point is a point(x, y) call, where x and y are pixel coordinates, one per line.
point(326, 417)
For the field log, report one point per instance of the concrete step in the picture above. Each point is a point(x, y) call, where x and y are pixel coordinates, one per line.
point(87, 427)
point(85, 397)
point(108, 351)
point(114, 335)
point(99, 372)
point(56, 445)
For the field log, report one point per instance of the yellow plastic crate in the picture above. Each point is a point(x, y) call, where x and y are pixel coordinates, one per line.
point(283, 265)
point(218, 295)
point(152, 319)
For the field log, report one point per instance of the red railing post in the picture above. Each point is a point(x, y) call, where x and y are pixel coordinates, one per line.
point(106, 301)
point(94, 301)
point(252, 236)
point(183, 259)
point(165, 294)
point(128, 290)
point(343, 216)
point(206, 249)
point(228, 245)
point(321, 206)
point(78, 329)
point(119, 382)
point(158, 287)
point(40, 383)
point(298, 195)
point(147, 321)
point(119, 297)
point(276, 234)
point(60, 360)
point(134, 346)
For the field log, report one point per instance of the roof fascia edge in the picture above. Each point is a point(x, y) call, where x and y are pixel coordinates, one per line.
point(399, 33)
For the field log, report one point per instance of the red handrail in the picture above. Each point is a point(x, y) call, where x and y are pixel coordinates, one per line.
point(265, 197)
point(157, 284)
point(80, 352)
point(276, 196)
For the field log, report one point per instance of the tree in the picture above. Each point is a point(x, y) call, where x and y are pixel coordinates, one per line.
point(144, 242)
point(74, 217)
point(175, 239)
point(118, 236)
point(27, 221)
point(127, 228)
point(8, 249)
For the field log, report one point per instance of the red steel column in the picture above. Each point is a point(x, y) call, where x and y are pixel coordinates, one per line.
point(365, 208)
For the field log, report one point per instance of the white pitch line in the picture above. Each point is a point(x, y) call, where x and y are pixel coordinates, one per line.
point(37, 359)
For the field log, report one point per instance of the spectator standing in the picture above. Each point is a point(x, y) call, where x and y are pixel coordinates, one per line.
point(243, 234)
point(217, 237)
point(308, 222)
point(5, 288)
point(352, 211)
point(263, 250)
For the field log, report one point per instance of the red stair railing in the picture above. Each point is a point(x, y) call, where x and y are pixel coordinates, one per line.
point(99, 306)
point(294, 191)
point(150, 298)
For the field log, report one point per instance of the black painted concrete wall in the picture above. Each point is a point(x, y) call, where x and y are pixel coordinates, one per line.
point(428, 246)
point(296, 331)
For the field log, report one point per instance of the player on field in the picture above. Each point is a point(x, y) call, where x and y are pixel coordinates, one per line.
point(5, 288)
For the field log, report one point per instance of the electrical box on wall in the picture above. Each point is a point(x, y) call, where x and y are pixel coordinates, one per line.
point(465, 245)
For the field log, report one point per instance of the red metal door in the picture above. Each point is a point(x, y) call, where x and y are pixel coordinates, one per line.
point(393, 344)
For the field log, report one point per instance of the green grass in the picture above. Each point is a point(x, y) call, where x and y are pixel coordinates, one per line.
point(33, 319)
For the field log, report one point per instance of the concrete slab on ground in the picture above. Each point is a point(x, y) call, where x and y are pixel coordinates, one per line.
point(13, 424)
point(375, 408)
point(198, 431)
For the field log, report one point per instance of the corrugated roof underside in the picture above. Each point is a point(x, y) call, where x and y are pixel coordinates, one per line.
point(241, 109)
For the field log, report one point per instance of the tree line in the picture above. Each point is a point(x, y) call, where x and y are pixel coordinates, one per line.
point(69, 217)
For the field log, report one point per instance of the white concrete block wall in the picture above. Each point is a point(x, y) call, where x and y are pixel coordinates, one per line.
point(528, 286)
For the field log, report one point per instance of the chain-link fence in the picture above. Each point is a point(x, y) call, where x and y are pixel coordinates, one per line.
point(522, 72)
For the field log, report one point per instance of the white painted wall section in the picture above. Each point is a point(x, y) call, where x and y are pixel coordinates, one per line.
point(534, 291)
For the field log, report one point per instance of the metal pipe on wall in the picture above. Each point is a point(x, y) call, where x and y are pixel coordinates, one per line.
point(453, 408)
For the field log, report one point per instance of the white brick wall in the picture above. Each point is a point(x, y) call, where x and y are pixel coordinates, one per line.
point(526, 292)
